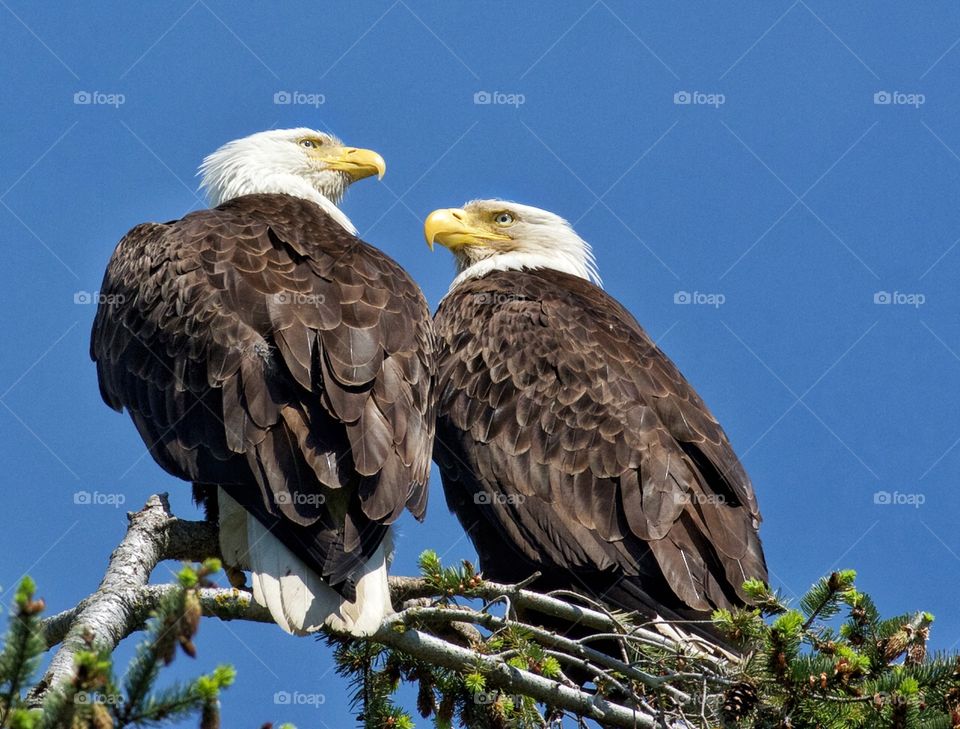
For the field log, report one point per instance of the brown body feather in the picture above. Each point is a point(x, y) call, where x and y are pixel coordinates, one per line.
point(260, 347)
point(570, 444)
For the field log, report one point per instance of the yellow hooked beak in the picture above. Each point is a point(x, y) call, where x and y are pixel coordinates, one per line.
point(454, 227)
point(357, 163)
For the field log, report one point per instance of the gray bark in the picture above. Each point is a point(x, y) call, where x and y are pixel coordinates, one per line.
point(124, 601)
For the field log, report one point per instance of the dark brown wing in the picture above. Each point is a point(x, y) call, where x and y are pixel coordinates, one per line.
point(570, 444)
point(261, 347)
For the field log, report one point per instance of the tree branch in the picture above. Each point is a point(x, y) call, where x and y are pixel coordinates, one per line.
point(233, 604)
point(152, 535)
point(124, 601)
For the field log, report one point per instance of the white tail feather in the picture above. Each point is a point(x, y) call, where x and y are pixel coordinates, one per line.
point(297, 598)
point(233, 531)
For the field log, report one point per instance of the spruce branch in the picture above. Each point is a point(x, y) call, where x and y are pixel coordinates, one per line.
point(22, 646)
point(153, 534)
point(90, 697)
point(462, 642)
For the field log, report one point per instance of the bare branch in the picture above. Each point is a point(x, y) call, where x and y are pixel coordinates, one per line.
point(501, 675)
point(440, 633)
point(104, 616)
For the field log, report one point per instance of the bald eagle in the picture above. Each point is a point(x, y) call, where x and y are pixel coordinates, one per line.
point(283, 366)
point(567, 442)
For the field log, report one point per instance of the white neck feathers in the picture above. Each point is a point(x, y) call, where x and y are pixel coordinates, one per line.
point(234, 170)
point(565, 261)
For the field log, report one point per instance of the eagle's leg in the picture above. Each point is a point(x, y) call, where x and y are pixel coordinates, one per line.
point(237, 577)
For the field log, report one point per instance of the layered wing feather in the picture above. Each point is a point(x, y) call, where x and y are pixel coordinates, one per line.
point(261, 347)
point(570, 444)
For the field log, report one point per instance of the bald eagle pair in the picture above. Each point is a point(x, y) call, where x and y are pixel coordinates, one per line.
point(292, 373)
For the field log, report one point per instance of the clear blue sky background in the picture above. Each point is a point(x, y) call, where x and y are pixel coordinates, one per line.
point(796, 199)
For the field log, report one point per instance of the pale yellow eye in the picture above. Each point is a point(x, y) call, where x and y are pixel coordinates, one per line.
point(503, 218)
point(309, 143)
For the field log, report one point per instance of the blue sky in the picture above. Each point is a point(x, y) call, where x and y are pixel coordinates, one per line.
point(804, 202)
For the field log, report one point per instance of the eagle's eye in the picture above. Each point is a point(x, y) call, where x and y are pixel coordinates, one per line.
point(503, 218)
point(309, 143)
